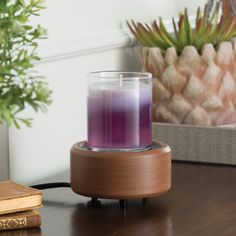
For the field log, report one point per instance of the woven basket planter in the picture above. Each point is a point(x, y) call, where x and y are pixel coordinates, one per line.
point(198, 143)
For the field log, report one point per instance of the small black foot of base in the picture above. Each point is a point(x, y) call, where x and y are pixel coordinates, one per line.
point(94, 202)
point(145, 201)
point(123, 204)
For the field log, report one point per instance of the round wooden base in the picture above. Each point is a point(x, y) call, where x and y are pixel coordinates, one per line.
point(120, 175)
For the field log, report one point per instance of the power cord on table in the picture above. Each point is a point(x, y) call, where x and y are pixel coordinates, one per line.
point(51, 185)
point(93, 202)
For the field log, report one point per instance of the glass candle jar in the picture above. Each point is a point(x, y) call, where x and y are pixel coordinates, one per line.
point(119, 111)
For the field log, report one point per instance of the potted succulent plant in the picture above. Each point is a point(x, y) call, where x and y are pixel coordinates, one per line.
point(193, 67)
point(20, 85)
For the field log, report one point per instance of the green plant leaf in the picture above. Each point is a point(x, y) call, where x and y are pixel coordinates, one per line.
point(19, 85)
point(208, 29)
point(142, 31)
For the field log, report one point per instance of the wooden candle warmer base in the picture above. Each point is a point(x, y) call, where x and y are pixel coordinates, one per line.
point(120, 175)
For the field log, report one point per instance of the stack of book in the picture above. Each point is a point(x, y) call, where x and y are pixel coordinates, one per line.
point(17, 206)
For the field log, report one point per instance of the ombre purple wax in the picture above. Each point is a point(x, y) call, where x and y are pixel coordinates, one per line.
point(119, 116)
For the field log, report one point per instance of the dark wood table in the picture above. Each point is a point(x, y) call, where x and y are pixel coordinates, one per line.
point(202, 202)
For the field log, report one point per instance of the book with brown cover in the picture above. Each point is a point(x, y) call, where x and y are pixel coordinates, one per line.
point(24, 219)
point(16, 197)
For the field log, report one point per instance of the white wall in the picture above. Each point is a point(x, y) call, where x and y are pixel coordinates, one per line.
point(4, 163)
point(77, 18)
point(83, 36)
point(44, 149)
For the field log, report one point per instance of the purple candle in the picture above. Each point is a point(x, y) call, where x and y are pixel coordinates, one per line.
point(119, 111)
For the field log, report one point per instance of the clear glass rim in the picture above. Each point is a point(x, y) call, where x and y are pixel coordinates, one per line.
point(116, 74)
point(87, 148)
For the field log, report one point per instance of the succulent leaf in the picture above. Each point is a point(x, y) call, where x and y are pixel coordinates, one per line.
point(208, 29)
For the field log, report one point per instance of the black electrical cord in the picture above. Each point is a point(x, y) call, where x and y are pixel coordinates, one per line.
point(51, 185)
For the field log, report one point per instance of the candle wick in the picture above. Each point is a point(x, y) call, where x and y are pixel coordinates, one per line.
point(121, 76)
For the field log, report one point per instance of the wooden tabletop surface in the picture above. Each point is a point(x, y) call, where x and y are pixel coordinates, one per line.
point(202, 202)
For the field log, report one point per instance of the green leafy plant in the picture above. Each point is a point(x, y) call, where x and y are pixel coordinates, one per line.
point(213, 29)
point(20, 85)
